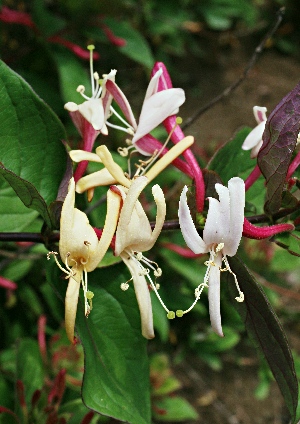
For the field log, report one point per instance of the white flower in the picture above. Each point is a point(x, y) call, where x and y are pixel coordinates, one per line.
point(221, 237)
point(134, 236)
point(81, 251)
point(157, 106)
point(254, 138)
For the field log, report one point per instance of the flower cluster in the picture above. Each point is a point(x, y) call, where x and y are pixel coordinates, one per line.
point(127, 229)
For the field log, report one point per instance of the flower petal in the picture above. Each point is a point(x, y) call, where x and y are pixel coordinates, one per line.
point(96, 179)
point(122, 101)
point(254, 137)
point(188, 229)
point(157, 108)
point(113, 168)
point(142, 295)
point(92, 111)
point(212, 233)
point(236, 187)
point(153, 84)
point(80, 155)
point(214, 296)
point(260, 113)
point(71, 301)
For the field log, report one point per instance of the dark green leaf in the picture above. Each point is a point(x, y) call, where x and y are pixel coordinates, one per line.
point(30, 146)
point(116, 377)
point(47, 22)
point(279, 141)
point(265, 329)
point(136, 47)
point(29, 367)
point(231, 160)
point(27, 193)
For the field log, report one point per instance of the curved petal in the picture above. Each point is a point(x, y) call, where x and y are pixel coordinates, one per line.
point(254, 137)
point(122, 101)
point(71, 301)
point(133, 226)
point(260, 113)
point(188, 229)
point(214, 296)
point(96, 179)
point(160, 201)
point(211, 232)
point(236, 187)
point(157, 108)
point(113, 168)
point(142, 295)
point(153, 84)
point(80, 155)
point(256, 149)
point(224, 218)
point(92, 111)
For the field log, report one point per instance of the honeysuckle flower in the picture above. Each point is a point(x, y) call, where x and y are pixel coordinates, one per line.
point(254, 138)
point(157, 106)
point(81, 251)
point(176, 134)
point(135, 236)
point(96, 109)
point(221, 237)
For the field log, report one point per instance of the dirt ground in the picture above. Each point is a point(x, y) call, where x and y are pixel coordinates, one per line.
point(227, 397)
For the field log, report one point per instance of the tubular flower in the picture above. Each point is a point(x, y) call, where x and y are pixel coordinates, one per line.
point(254, 138)
point(133, 237)
point(221, 237)
point(157, 106)
point(81, 251)
point(96, 109)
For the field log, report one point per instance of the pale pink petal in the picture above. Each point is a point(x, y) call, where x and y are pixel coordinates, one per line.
point(142, 295)
point(254, 137)
point(157, 108)
point(236, 187)
point(214, 296)
point(188, 229)
point(122, 101)
point(260, 113)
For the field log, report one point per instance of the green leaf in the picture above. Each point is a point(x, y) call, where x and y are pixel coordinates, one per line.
point(29, 367)
point(47, 22)
point(230, 160)
point(173, 409)
point(116, 377)
point(71, 74)
point(27, 193)
point(136, 47)
point(265, 329)
point(30, 146)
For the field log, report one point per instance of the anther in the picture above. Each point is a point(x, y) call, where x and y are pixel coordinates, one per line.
point(171, 315)
point(124, 286)
point(80, 89)
point(157, 272)
point(179, 313)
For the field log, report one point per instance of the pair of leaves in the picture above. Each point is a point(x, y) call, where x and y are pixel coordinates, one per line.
point(265, 329)
point(33, 158)
point(116, 372)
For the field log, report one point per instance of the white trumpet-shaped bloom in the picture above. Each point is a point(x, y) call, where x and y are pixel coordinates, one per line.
point(254, 138)
point(81, 251)
point(134, 236)
point(221, 237)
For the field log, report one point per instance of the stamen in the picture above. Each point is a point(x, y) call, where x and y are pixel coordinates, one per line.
point(124, 286)
point(68, 271)
point(89, 296)
point(241, 296)
point(121, 118)
point(91, 47)
point(117, 127)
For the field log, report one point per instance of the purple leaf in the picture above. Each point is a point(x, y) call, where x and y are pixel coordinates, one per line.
point(279, 141)
point(264, 328)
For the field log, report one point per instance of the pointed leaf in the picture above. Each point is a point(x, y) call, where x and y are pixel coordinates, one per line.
point(279, 141)
point(116, 377)
point(265, 329)
point(27, 193)
point(30, 142)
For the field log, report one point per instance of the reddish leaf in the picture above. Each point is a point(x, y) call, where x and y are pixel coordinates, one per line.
point(265, 329)
point(279, 141)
